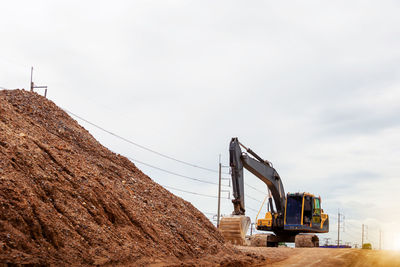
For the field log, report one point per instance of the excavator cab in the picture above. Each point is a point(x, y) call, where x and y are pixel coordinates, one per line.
point(303, 213)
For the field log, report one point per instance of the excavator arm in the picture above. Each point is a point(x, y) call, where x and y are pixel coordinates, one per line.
point(261, 168)
point(234, 228)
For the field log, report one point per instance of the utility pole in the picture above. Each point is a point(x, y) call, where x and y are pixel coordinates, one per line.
point(338, 229)
point(362, 236)
point(31, 79)
point(33, 86)
point(219, 190)
point(380, 239)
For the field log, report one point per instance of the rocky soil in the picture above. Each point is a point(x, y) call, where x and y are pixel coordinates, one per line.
point(67, 200)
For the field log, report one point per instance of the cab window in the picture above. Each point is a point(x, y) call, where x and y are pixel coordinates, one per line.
point(316, 203)
point(293, 210)
point(317, 208)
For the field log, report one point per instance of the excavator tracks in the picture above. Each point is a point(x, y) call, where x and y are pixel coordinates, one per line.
point(234, 229)
point(306, 241)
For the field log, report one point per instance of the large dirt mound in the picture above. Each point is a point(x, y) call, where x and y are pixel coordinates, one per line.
point(66, 199)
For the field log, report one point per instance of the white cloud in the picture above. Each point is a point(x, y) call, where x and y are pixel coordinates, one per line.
point(312, 87)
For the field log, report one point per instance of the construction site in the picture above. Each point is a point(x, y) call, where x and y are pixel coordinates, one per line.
point(199, 133)
point(66, 200)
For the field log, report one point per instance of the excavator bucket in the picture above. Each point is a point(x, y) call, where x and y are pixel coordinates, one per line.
point(234, 229)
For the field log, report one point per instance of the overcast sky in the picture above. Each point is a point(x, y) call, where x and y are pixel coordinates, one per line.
point(312, 86)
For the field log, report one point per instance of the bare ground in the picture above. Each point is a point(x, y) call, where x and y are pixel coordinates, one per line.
point(325, 257)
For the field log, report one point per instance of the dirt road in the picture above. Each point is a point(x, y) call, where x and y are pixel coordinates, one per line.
point(325, 257)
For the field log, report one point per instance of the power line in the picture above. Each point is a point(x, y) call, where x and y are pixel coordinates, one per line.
point(170, 172)
point(351, 235)
point(171, 158)
point(252, 209)
point(354, 228)
point(199, 194)
point(173, 173)
point(253, 199)
point(15, 62)
point(168, 157)
point(208, 213)
point(138, 145)
point(252, 187)
point(189, 192)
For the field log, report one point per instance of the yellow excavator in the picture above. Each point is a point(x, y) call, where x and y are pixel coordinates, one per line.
point(294, 217)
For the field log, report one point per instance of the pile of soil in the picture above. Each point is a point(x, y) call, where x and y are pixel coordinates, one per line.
point(67, 200)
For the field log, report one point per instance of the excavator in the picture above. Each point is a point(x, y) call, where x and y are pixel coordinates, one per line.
point(294, 217)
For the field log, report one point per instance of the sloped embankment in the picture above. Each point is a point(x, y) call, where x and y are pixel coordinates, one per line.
point(67, 200)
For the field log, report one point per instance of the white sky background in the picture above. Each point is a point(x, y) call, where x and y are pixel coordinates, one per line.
point(312, 86)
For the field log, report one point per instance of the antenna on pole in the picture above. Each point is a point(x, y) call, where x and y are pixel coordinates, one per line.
point(33, 86)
